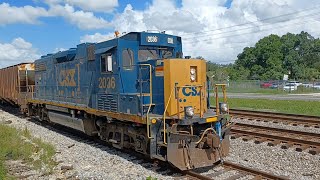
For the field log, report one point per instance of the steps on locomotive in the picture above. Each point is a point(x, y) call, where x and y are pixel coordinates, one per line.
point(149, 104)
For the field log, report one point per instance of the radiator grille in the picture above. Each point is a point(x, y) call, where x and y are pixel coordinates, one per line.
point(107, 102)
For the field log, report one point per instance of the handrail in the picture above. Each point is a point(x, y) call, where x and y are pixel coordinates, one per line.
point(164, 117)
point(148, 123)
point(223, 87)
point(217, 99)
point(30, 90)
point(201, 112)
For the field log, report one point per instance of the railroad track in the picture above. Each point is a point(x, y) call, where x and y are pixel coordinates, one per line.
point(163, 168)
point(298, 140)
point(159, 167)
point(291, 119)
point(233, 171)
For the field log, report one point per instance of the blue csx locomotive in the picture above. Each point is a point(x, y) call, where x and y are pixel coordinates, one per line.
point(137, 92)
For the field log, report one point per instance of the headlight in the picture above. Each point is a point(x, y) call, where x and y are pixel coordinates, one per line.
point(192, 71)
point(189, 111)
point(193, 74)
point(193, 77)
point(224, 107)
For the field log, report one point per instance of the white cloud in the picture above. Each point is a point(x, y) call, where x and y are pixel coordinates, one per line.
point(95, 5)
point(30, 15)
point(97, 37)
point(160, 15)
point(26, 14)
point(129, 20)
point(207, 27)
point(82, 19)
point(203, 25)
point(17, 51)
point(59, 49)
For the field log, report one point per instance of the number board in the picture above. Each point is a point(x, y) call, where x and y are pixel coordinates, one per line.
point(152, 39)
point(170, 40)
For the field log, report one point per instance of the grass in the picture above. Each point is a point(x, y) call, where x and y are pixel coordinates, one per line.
point(300, 90)
point(151, 178)
point(284, 106)
point(20, 145)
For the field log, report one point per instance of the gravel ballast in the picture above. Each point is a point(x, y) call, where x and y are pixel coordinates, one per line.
point(295, 165)
point(82, 160)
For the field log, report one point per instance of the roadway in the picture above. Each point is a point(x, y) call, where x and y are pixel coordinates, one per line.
point(304, 97)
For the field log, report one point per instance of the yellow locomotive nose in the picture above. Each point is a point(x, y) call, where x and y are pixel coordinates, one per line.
point(198, 136)
point(185, 82)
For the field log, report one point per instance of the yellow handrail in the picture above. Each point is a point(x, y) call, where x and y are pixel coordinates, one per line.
point(150, 74)
point(217, 99)
point(164, 118)
point(223, 87)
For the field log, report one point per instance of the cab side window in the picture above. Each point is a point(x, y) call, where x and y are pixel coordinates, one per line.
point(127, 59)
point(106, 63)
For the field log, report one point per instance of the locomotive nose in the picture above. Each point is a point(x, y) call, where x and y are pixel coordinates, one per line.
point(185, 82)
point(198, 136)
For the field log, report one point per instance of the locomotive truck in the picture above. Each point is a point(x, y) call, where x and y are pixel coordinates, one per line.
point(135, 91)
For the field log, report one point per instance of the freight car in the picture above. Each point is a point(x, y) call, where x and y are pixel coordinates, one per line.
point(135, 92)
point(14, 83)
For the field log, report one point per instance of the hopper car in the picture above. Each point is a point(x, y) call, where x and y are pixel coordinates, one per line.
point(14, 81)
point(135, 91)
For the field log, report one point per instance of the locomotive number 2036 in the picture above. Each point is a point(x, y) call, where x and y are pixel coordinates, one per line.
point(107, 82)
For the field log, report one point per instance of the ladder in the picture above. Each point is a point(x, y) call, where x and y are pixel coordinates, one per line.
point(145, 107)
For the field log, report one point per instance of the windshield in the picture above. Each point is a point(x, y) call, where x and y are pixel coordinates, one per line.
point(166, 54)
point(147, 54)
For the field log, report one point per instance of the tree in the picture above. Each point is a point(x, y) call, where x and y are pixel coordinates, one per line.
point(273, 56)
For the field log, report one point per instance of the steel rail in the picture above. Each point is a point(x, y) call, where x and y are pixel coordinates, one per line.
point(279, 130)
point(281, 134)
point(243, 171)
point(252, 171)
point(299, 118)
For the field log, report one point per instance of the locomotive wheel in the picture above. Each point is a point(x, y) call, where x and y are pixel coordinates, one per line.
point(141, 143)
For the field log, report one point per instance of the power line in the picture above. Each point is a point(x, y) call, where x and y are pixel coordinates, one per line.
point(217, 48)
point(238, 46)
point(261, 20)
point(254, 32)
point(259, 31)
point(237, 30)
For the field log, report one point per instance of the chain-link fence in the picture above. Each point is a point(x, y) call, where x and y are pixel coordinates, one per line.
point(271, 86)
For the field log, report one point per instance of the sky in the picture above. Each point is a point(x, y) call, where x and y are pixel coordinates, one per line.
point(217, 30)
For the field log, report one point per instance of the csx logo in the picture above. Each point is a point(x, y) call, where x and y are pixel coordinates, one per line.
point(190, 91)
point(66, 77)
